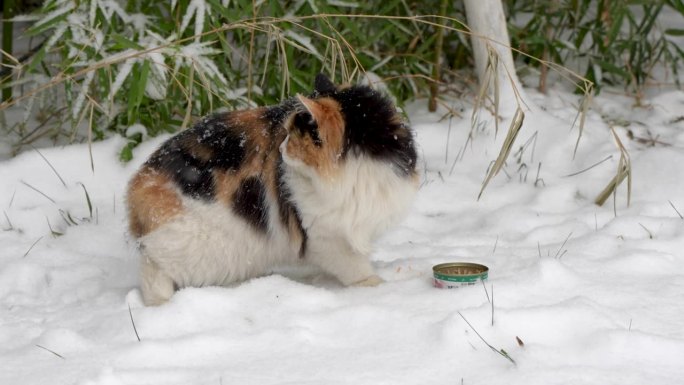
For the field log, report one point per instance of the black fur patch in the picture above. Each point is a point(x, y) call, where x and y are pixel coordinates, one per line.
point(227, 142)
point(372, 128)
point(190, 173)
point(277, 114)
point(249, 202)
point(323, 85)
point(307, 126)
point(190, 157)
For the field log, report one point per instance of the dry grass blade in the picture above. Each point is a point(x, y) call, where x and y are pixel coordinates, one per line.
point(589, 168)
point(558, 253)
point(582, 114)
point(513, 131)
point(130, 313)
point(494, 58)
point(90, 138)
point(624, 170)
point(501, 352)
point(51, 167)
point(38, 191)
point(31, 248)
point(51, 351)
point(9, 223)
point(670, 202)
point(482, 93)
point(486, 292)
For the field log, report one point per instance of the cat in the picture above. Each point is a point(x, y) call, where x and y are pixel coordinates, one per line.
point(315, 179)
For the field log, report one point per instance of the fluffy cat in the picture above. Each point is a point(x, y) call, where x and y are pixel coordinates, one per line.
point(314, 179)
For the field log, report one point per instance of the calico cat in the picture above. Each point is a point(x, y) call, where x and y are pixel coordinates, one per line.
point(314, 179)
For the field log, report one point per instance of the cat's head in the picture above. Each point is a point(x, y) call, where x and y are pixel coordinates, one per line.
point(335, 123)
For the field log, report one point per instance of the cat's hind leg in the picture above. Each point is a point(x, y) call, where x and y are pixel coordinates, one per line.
point(156, 286)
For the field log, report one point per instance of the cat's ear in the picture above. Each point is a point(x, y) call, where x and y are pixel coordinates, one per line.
point(314, 109)
point(323, 85)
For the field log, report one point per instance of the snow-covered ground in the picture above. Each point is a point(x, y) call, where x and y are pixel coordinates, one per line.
point(595, 293)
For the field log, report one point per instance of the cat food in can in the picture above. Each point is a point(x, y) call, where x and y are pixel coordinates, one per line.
point(457, 274)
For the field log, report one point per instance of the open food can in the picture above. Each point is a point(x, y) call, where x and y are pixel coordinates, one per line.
point(458, 274)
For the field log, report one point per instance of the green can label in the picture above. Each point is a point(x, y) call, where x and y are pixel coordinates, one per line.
point(453, 275)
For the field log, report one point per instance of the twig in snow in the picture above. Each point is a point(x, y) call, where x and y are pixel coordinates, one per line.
point(485, 289)
point(38, 191)
point(675, 209)
point(495, 243)
point(589, 168)
point(537, 179)
point(54, 233)
point(491, 301)
point(501, 351)
point(51, 351)
point(650, 234)
point(49, 164)
point(31, 248)
point(558, 253)
point(130, 313)
point(12, 199)
point(9, 223)
point(595, 222)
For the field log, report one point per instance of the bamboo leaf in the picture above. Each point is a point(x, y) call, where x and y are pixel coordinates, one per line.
point(674, 32)
point(43, 26)
point(125, 43)
point(513, 131)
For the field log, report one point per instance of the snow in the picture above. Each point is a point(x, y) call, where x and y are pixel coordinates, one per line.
point(595, 293)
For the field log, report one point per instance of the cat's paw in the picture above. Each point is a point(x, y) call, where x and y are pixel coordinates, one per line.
point(371, 281)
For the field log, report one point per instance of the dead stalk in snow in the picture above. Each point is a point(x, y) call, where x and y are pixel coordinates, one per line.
point(501, 352)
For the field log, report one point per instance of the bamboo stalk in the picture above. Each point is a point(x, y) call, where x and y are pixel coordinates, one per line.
point(436, 70)
point(7, 14)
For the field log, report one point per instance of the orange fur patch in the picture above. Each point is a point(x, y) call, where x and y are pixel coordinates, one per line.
point(152, 201)
point(326, 112)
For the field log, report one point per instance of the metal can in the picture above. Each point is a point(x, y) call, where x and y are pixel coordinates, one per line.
point(458, 274)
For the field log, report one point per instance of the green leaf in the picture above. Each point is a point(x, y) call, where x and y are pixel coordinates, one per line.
point(226, 12)
point(37, 29)
point(137, 90)
point(127, 152)
point(678, 5)
point(612, 68)
point(123, 42)
point(674, 32)
point(37, 59)
point(87, 196)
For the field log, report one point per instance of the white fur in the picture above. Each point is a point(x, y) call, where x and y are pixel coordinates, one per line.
point(209, 245)
point(344, 215)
